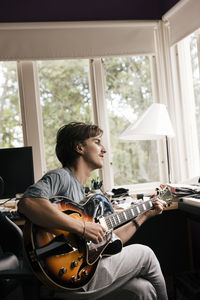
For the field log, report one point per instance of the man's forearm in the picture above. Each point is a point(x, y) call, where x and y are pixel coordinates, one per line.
point(41, 212)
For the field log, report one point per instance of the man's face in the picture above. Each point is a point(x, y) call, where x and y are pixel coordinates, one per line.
point(93, 152)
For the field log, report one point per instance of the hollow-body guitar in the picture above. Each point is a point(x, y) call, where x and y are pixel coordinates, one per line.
point(64, 260)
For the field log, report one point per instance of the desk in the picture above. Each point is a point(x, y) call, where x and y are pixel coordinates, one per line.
point(187, 284)
point(192, 213)
point(190, 210)
point(167, 236)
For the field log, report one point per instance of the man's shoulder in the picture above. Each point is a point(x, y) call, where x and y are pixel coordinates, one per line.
point(59, 172)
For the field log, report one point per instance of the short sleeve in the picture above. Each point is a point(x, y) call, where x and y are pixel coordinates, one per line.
point(48, 186)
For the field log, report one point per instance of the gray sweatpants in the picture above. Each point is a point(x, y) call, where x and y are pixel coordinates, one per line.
point(135, 270)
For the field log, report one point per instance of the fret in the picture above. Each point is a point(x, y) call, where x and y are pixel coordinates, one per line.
point(121, 216)
point(132, 211)
point(111, 222)
point(125, 215)
point(135, 210)
point(108, 223)
point(123, 219)
point(130, 214)
point(118, 218)
point(144, 206)
point(138, 209)
point(115, 220)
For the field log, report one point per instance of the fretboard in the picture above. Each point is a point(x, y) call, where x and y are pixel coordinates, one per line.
point(117, 219)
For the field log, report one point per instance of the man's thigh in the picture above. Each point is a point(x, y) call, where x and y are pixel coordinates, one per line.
point(131, 262)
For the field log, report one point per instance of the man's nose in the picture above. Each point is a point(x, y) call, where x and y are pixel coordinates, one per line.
point(103, 149)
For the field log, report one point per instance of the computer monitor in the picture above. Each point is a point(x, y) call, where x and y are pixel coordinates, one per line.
point(16, 171)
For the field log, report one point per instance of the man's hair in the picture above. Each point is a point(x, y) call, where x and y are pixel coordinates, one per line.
point(69, 136)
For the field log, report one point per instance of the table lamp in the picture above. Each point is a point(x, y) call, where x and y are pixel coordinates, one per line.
point(154, 124)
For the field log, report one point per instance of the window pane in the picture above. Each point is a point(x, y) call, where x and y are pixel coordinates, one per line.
point(10, 116)
point(129, 94)
point(195, 55)
point(65, 97)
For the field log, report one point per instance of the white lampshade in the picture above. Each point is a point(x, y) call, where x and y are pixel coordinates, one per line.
point(154, 124)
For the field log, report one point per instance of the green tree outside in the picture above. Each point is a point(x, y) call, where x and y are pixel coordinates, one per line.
point(10, 115)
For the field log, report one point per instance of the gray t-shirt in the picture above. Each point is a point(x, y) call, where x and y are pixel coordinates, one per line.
point(59, 182)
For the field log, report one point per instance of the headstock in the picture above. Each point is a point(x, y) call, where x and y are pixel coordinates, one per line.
point(165, 195)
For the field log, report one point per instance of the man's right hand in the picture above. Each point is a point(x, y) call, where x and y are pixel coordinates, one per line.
point(93, 232)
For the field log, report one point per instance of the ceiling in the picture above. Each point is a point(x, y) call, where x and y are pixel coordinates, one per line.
point(79, 10)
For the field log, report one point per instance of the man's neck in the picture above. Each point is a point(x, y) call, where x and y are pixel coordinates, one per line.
point(81, 173)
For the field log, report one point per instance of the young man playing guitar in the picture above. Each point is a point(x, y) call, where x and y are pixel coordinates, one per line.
point(80, 151)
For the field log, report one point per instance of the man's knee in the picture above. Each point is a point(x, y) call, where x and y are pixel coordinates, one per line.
point(149, 257)
point(140, 289)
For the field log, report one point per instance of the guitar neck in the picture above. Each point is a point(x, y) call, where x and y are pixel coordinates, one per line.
point(118, 219)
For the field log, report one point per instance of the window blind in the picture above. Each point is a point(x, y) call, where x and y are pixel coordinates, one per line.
point(183, 19)
point(62, 40)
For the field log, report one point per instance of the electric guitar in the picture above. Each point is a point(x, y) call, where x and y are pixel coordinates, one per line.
point(64, 260)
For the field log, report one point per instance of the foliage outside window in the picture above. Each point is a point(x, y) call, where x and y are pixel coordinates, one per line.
point(129, 94)
point(65, 97)
point(10, 115)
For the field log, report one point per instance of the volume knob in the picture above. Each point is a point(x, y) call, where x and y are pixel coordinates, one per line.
point(62, 271)
point(74, 264)
point(73, 278)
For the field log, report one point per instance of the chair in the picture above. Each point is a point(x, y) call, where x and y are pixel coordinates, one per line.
point(14, 277)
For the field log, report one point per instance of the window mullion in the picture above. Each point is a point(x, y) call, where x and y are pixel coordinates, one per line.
point(97, 82)
point(180, 138)
point(31, 114)
point(165, 95)
point(198, 49)
point(160, 143)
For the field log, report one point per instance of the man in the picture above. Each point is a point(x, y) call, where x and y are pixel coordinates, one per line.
point(80, 151)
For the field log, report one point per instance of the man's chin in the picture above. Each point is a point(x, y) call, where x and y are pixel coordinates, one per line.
point(99, 166)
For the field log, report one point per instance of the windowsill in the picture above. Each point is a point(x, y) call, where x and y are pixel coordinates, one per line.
point(142, 188)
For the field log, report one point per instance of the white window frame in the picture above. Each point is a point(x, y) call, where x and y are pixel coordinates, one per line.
point(31, 114)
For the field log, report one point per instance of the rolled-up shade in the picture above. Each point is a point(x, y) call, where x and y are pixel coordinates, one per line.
point(183, 18)
point(35, 41)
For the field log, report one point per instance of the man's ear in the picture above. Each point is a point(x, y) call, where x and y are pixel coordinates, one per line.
point(79, 148)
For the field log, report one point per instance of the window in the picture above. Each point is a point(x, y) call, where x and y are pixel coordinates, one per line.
point(64, 97)
point(128, 95)
point(10, 115)
point(187, 105)
point(195, 55)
